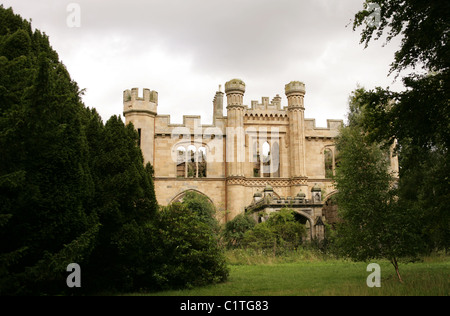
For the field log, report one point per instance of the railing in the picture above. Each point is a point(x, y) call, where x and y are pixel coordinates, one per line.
point(277, 202)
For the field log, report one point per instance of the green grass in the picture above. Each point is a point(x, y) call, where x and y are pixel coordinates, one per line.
point(285, 276)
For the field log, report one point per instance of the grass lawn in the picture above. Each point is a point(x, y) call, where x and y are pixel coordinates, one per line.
point(327, 277)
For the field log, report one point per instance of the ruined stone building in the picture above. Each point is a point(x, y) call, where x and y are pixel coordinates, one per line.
point(256, 159)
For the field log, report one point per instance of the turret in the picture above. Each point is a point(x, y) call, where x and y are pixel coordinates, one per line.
point(141, 111)
point(132, 103)
point(235, 144)
point(295, 92)
point(235, 90)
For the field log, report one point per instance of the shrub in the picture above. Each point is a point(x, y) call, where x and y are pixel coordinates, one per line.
point(186, 251)
point(200, 206)
point(281, 232)
point(262, 236)
point(236, 228)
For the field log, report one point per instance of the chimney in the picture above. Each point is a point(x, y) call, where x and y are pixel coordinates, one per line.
point(218, 103)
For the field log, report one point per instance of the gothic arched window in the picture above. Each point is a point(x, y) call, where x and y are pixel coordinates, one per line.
point(191, 162)
point(265, 158)
point(256, 161)
point(181, 162)
point(328, 161)
point(201, 162)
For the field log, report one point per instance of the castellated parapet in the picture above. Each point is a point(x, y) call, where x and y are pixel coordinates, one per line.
point(141, 111)
point(133, 103)
point(235, 85)
point(295, 87)
point(235, 90)
point(295, 92)
point(241, 153)
point(275, 104)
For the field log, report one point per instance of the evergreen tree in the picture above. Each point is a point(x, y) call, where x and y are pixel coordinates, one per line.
point(75, 190)
point(71, 188)
point(44, 177)
point(124, 200)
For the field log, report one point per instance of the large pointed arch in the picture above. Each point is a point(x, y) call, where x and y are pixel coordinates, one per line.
point(179, 196)
point(330, 208)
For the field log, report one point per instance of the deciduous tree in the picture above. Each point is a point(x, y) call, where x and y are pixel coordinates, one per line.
point(375, 223)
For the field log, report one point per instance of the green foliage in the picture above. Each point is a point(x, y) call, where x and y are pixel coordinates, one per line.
point(375, 222)
point(44, 175)
point(186, 248)
point(72, 189)
point(236, 228)
point(419, 117)
point(280, 232)
point(124, 200)
point(202, 207)
point(262, 236)
point(288, 231)
point(423, 25)
point(17, 44)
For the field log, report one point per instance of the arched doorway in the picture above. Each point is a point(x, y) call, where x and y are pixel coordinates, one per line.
point(330, 209)
point(305, 219)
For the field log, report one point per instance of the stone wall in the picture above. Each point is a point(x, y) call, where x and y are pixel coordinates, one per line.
point(231, 184)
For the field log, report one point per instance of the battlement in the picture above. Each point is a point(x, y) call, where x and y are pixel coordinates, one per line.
point(235, 85)
point(294, 87)
point(275, 104)
point(148, 103)
point(191, 125)
point(313, 132)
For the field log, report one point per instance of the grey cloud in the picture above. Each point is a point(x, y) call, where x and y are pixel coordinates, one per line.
point(265, 42)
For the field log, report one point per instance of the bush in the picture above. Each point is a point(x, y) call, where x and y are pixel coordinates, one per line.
point(200, 206)
point(262, 236)
point(186, 250)
point(280, 232)
point(236, 228)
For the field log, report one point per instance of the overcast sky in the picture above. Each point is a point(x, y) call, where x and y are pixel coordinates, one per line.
point(185, 49)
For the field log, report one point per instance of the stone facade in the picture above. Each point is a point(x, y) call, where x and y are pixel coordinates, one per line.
point(234, 159)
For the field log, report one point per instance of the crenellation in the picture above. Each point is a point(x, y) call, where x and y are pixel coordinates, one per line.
point(333, 126)
point(148, 103)
point(274, 105)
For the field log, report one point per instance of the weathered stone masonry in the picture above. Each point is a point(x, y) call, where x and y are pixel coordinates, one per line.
point(264, 150)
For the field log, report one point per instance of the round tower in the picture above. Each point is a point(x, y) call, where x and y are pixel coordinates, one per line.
point(295, 92)
point(235, 146)
point(141, 111)
point(235, 90)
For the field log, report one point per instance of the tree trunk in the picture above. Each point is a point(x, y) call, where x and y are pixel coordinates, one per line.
point(395, 264)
